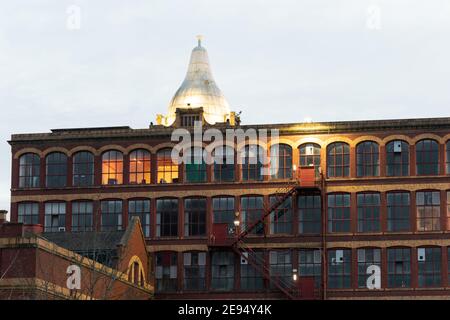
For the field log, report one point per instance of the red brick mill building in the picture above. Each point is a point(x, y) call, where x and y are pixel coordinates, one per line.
point(345, 196)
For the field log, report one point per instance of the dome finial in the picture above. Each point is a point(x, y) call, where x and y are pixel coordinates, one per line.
point(199, 39)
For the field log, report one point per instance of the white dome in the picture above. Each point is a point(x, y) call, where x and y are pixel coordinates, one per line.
point(200, 90)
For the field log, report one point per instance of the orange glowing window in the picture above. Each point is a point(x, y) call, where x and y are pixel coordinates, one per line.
point(112, 168)
point(140, 167)
point(167, 170)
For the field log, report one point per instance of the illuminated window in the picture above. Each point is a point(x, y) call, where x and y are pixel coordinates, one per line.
point(310, 264)
point(252, 209)
point(280, 262)
point(167, 217)
point(28, 213)
point(29, 171)
point(222, 271)
point(167, 170)
point(56, 168)
point(140, 167)
point(281, 218)
point(397, 159)
point(194, 217)
point(140, 209)
point(224, 164)
point(281, 161)
point(252, 163)
point(367, 159)
point(194, 271)
point(338, 160)
point(429, 260)
point(427, 157)
point(398, 211)
point(399, 267)
point(339, 268)
point(82, 216)
point(251, 278)
point(310, 213)
point(112, 168)
point(195, 168)
point(83, 169)
point(55, 216)
point(428, 205)
point(368, 212)
point(367, 257)
point(339, 212)
point(166, 274)
point(111, 215)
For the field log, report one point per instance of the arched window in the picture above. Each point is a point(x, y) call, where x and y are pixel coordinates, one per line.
point(338, 160)
point(252, 163)
point(397, 158)
point(56, 168)
point(167, 170)
point(281, 161)
point(447, 161)
point(310, 155)
point(195, 167)
point(367, 159)
point(29, 171)
point(83, 169)
point(112, 168)
point(223, 164)
point(140, 167)
point(427, 157)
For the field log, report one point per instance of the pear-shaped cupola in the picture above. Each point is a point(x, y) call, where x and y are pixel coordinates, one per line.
point(199, 92)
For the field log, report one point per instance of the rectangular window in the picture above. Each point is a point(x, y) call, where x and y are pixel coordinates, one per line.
point(223, 211)
point(140, 209)
point(339, 213)
point(281, 267)
point(55, 217)
point(399, 267)
point(194, 270)
point(224, 164)
point(252, 279)
point(166, 217)
point(82, 213)
point(111, 219)
point(368, 212)
point(166, 272)
point(281, 218)
point(194, 217)
point(310, 264)
point(252, 209)
point(309, 214)
point(222, 271)
point(398, 211)
point(429, 260)
point(447, 161)
point(366, 258)
point(448, 210)
point(167, 170)
point(339, 269)
point(28, 213)
point(428, 211)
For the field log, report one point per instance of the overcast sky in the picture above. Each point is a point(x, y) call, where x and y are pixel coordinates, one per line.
point(277, 61)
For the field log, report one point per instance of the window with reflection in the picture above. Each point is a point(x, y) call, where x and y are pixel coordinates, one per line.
point(140, 208)
point(252, 163)
point(280, 262)
point(28, 213)
point(367, 159)
point(398, 211)
point(112, 168)
point(56, 169)
point(427, 157)
point(82, 216)
point(222, 270)
point(195, 167)
point(167, 217)
point(399, 267)
point(310, 213)
point(338, 160)
point(194, 217)
point(194, 264)
point(83, 169)
point(310, 264)
point(29, 171)
point(167, 170)
point(310, 156)
point(55, 217)
point(224, 164)
point(281, 161)
point(140, 167)
point(281, 217)
point(397, 159)
point(428, 206)
point(252, 209)
point(166, 274)
point(368, 212)
point(111, 215)
point(338, 212)
point(429, 265)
